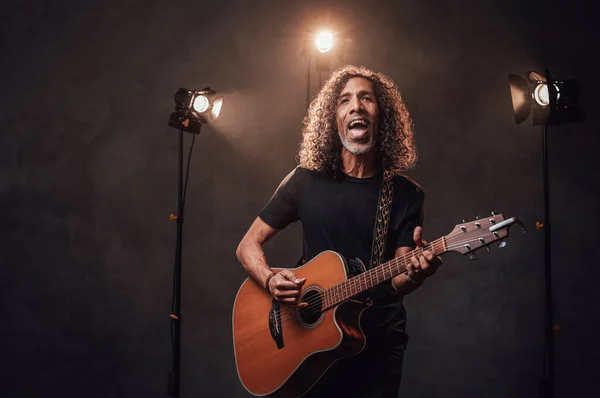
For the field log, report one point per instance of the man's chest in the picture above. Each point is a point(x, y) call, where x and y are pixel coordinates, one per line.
point(340, 208)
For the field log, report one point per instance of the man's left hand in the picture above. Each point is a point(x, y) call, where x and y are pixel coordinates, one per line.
point(426, 264)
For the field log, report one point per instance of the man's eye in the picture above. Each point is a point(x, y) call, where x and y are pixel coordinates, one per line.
point(367, 98)
point(344, 100)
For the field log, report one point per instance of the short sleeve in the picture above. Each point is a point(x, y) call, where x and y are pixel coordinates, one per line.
point(282, 209)
point(413, 218)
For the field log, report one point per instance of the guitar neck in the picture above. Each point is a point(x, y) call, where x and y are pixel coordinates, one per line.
point(373, 277)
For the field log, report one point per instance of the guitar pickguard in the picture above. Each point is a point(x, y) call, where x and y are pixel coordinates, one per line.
point(354, 266)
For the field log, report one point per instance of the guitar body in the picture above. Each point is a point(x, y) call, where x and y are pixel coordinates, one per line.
point(280, 351)
point(283, 351)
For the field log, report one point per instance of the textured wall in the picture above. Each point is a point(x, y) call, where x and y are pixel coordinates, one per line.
point(88, 178)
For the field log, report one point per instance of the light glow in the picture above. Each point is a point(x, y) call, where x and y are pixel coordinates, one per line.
point(542, 96)
point(216, 108)
point(324, 41)
point(201, 104)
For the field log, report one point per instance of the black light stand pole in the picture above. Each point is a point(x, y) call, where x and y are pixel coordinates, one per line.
point(176, 305)
point(547, 380)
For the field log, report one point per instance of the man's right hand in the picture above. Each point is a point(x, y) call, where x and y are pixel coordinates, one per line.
point(285, 287)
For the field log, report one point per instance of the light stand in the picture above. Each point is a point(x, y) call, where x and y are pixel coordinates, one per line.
point(546, 387)
point(551, 102)
point(176, 305)
point(193, 108)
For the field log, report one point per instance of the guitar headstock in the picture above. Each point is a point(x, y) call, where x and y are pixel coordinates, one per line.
point(470, 236)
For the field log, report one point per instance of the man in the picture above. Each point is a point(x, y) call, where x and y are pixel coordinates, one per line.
point(357, 128)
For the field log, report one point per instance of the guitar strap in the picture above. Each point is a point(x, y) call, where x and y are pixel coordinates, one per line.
point(382, 218)
point(397, 338)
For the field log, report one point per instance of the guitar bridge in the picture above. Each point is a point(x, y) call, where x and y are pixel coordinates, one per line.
point(275, 323)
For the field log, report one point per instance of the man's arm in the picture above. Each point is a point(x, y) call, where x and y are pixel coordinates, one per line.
point(250, 250)
point(418, 269)
point(285, 286)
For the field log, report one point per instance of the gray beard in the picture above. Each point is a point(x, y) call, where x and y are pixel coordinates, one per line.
point(357, 149)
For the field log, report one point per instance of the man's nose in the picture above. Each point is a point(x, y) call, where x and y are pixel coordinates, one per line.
point(356, 104)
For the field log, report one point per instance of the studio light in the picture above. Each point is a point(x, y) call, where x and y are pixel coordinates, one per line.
point(550, 104)
point(195, 107)
point(322, 48)
point(324, 41)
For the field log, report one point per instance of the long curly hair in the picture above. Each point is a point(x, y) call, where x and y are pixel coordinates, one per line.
point(321, 147)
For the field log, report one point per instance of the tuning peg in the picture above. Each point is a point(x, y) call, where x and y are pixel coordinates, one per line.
point(472, 257)
point(477, 217)
point(494, 213)
point(502, 244)
point(489, 250)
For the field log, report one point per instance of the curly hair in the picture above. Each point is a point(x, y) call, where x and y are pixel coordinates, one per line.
point(321, 147)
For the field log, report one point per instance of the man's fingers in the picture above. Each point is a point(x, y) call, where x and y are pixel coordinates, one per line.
point(289, 300)
point(410, 268)
point(290, 276)
point(279, 293)
point(285, 285)
point(424, 263)
point(416, 264)
point(418, 237)
point(287, 274)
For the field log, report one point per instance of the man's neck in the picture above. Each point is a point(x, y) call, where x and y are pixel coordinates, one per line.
point(359, 166)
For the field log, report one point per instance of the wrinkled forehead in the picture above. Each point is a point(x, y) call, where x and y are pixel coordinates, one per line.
point(356, 85)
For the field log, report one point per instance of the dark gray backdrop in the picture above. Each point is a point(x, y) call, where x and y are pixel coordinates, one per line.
point(88, 178)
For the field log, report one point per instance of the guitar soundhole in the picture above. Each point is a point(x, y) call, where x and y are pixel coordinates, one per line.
point(310, 315)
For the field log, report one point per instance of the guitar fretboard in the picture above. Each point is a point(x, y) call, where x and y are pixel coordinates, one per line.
point(349, 288)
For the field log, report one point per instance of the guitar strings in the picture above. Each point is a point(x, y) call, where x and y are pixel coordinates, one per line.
point(315, 304)
point(341, 289)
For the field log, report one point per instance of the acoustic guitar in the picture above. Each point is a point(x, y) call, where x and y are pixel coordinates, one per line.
point(282, 350)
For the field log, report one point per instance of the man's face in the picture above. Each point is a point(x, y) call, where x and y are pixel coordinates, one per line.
point(357, 116)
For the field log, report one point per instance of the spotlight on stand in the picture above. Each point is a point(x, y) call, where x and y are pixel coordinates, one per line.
point(195, 107)
point(192, 109)
point(549, 104)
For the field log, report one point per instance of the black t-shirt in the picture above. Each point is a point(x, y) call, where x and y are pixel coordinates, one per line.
point(338, 213)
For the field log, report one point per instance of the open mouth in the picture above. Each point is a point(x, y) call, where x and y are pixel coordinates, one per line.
point(358, 128)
